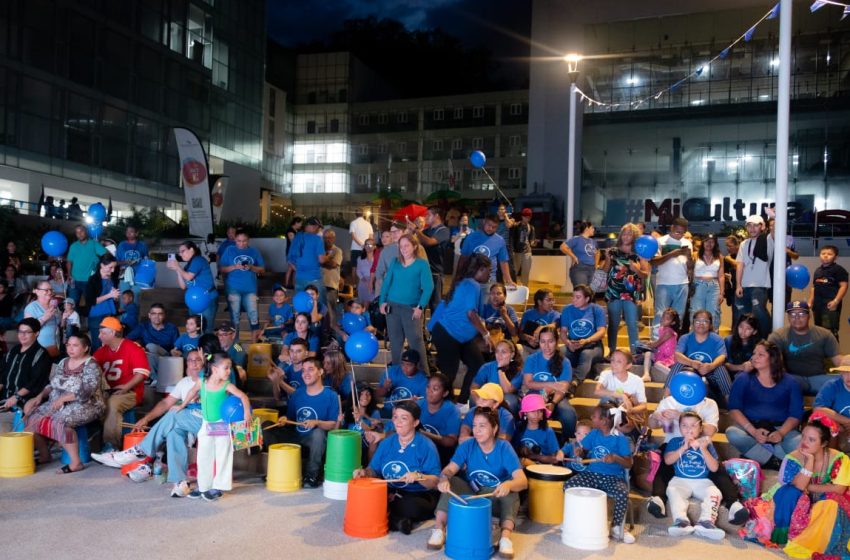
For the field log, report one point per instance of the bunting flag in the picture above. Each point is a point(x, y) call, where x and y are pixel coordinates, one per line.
point(817, 5)
point(749, 34)
point(774, 12)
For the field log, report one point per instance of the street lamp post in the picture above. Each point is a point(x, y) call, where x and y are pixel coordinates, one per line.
point(572, 61)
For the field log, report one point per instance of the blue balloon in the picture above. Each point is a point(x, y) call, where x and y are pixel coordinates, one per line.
point(302, 302)
point(196, 299)
point(232, 409)
point(687, 388)
point(96, 212)
point(646, 246)
point(95, 230)
point(797, 276)
point(361, 347)
point(352, 323)
point(477, 159)
point(54, 244)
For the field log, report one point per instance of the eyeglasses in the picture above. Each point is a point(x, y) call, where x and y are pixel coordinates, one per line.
point(25, 331)
point(45, 290)
point(194, 360)
point(701, 321)
point(799, 314)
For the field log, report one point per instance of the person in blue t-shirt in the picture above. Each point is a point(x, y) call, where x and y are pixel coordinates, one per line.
point(440, 419)
point(583, 326)
point(693, 458)
point(490, 466)
point(582, 250)
point(364, 417)
point(286, 375)
point(568, 454)
point(497, 315)
point(197, 272)
point(302, 331)
point(611, 461)
point(312, 411)
point(537, 318)
point(129, 312)
point(242, 264)
point(281, 316)
point(455, 323)
point(306, 256)
point(550, 374)
point(409, 460)
point(188, 340)
point(504, 371)
point(156, 335)
point(403, 381)
point(704, 351)
point(130, 253)
point(535, 441)
point(489, 395)
point(488, 243)
point(833, 400)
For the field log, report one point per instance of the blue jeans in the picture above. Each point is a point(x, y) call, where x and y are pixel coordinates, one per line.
point(812, 384)
point(752, 449)
point(566, 415)
point(208, 315)
point(582, 360)
point(667, 295)
point(239, 301)
point(755, 302)
point(173, 430)
point(581, 274)
point(706, 294)
point(301, 285)
point(76, 291)
point(628, 310)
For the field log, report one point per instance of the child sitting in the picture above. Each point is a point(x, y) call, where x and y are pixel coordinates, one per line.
point(665, 345)
point(287, 376)
point(281, 316)
point(612, 460)
point(489, 395)
point(365, 418)
point(355, 307)
point(188, 341)
point(692, 456)
point(625, 389)
point(535, 441)
point(404, 381)
point(567, 454)
point(129, 314)
point(70, 318)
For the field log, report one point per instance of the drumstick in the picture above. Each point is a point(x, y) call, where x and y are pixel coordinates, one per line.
point(133, 426)
point(403, 400)
point(587, 461)
point(387, 480)
point(458, 498)
point(481, 496)
point(284, 420)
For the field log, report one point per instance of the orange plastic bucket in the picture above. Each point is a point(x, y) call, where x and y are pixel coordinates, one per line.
point(366, 509)
point(131, 439)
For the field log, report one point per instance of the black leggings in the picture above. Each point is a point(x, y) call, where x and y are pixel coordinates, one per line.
point(416, 506)
point(720, 479)
point(450, 352)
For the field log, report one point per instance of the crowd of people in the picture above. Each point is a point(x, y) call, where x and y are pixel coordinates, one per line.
point(521, 371)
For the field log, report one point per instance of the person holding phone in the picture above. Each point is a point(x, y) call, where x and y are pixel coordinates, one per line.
point(103, 293)
point(44, 308)
point(243, 264)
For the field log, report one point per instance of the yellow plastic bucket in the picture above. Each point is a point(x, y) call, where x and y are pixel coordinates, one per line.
point(259, 359)
point(284, 471)
point(266, 414)
point(16, 455)
point(546, 493)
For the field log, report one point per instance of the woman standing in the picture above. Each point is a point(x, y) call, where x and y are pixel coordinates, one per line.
point(626, 275)
point(197, 273)
point(703, 351)
point(74, 398)
point(583, 326)
point(365, 280)
point(582, 250)
point(46, 310)
point(102, 290)
point(708, 279)
point(405, 292)
point(57, 280)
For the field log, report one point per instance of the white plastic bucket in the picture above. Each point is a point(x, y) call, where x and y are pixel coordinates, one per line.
point(585, 524)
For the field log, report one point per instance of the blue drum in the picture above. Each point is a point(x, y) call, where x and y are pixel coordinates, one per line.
point(468, 529)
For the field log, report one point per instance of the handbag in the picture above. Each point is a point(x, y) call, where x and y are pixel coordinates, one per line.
point(244, 435)
point(218, 428)
point(599, 281)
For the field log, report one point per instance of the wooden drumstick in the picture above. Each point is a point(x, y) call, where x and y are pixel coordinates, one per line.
point(284, 421)
point(458, 498)
point(489, 494)
point(403, 400)
point(588, 461)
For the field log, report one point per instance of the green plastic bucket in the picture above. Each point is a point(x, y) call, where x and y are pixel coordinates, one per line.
point(343, 455)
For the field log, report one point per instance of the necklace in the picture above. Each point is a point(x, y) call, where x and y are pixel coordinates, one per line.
point(402, 445)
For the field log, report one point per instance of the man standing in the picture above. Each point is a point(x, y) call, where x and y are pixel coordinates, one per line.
point(522, 240)
point(674, 261)
point(130, 254)
point(242, 264)
point(24, 371)
point(156, 335)
point(331, 273)
point(503, 230)
point(306, 257)
point(488, 243)
point(435, 239)
point(360, 230)
point(752, 273)
point(80, 262)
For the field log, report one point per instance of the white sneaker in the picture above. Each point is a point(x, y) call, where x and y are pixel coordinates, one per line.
point(128, 456)
point(620, 534)
point(437, 539)
point(142, 473)
point(107, 458)
point(709, 530)
point(181, 490)
point(680, 528)
point(506, 548)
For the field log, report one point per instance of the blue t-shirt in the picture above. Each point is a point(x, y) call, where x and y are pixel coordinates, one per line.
point(107, 306)
point(200, 267)
point(239, 358)
point(302, 406)
point(312, 341)
point(145, 334)
point(238, 280)
point(583, 323)
point(569, 451)
point(132, 252)
point(305, 253)
point(186, 343)
point(536, 317)
point(584, 248)
point(691, 464)
point(538, 441)
point(404, 387)
point(486, 471)
point(598, 446)
point(493, 318)
point(538, 366)
point(391, 462)
point(344, 388)
point(834, 396)
point(773, 404)
point(706, 351)
point(130, 316)
point(292, 376)
point(507, 425)
point(280, 315)
point(223, 247)
point(492, 246)
point(364, 421)
point(453, 314)
point(444, 422)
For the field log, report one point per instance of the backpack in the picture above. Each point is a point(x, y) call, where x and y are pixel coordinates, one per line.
point(746, 474)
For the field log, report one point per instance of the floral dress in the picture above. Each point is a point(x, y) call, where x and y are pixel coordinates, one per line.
point(86, 382)
point(623, 283)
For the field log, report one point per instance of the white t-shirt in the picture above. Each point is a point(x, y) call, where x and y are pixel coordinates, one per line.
point(182, 388)
point(632, 386)
point(707, 409)
point(361, 229)
point(756, 271)
point(672, 272)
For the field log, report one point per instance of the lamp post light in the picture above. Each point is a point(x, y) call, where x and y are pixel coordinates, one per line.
point(572, 61)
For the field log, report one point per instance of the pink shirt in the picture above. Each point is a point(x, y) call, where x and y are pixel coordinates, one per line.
point(664, 354)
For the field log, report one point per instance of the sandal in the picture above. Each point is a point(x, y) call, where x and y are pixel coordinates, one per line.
point(66, 469)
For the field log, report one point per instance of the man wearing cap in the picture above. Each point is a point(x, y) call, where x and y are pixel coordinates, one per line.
point(522, 240)
point(156, 335)
point(403, 381)
point(243, 264)
point(435, 239)
point(752, 273)
point(125, 368)
point(24, 371)
point(226, 334)
point(806, 348)
point(307, 256)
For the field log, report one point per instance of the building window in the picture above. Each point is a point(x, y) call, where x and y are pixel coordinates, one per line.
point(478, 112)
point(362, 179)
point(438, 145)
point(458, 113)
point(438, 176)
point(270, 138)
point(438, 114)
point(457, 144)
point(364, 149)
point(513, 173)
point(334, 125)
point(363, 119)
point(513, 140)
point(401, 148)
point(271, 102)
point(457, 176)
point(382, 148)
point(516, 108)
point(382, 118)
point(477, 143)
point(401, 118)
point(477, 174)
point(311, 127)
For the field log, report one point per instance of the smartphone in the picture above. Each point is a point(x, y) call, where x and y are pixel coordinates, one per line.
point(171, 256)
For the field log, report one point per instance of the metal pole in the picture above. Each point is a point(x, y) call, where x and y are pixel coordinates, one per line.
point(571, 163)
point(782, 133)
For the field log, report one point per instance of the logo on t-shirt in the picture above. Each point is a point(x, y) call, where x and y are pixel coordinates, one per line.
point(395, 469)
point(400, 393)
point(794, 349)
point(483, 479)
point(692, 464)
point(243, 260)
point(482, 250)
point(431, 429)
point(599, 452)
point(542, 376)
point(530, 444)
point(701, 356)
point(305, 413)
point(581, 328)
point(132, 255)
point(686, 391)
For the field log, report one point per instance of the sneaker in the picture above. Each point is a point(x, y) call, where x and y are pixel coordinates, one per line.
point(738, 514)
point(128, 456)
point(437, 539)
point(211, 495)
point(310, 482)
point(142, 473)
point(680, 528)
point(404, 525)
point(194, 494)
point(710, 531)
point(506, 548)
point(656, 507)
point(107, 459)
point(181, 490)
point(108, 448)
point(620, 534)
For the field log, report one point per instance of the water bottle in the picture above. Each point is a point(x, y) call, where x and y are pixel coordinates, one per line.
point(159, 468)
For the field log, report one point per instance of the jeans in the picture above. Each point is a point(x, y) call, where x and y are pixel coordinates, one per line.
point(581, 360)
point(566, 415)
point(706, 296)
point(667, 295)
point(173, 430)
point(76, 291)
point(401, 326)
point(301, 285)
point(752, 449)
point(755, 301)
point(208, 315)
point(154, 352)
point(830, 320)
point(628, 310)
point(581, 274)
point(812, 384)
point(315, 441)
point(238, 301)
point(449, 354)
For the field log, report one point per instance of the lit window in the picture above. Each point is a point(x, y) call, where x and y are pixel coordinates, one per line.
point(438, 114)
point(478, 112)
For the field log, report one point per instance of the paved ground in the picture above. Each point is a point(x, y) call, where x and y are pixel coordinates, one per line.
point(97, 514)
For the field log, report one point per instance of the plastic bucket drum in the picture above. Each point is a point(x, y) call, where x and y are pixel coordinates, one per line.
point(585, 525)
point(266, 414)
point(131, 439)
point(468, 534)
point(82, 443)
point(169, 372)
point(284, 470)
point(259, 359)
point(335, 490)
point(343, 455)
point(16, 455)
point(546, 493)
point(366, 509)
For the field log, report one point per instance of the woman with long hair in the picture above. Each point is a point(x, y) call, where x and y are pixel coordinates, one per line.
point(365, 280)
point(627, 273)
point(548, 373)
point(740, 344)
point(103, 293)
point(504, 371)
point(197, 272)
point(708, 279)
point(582, 250)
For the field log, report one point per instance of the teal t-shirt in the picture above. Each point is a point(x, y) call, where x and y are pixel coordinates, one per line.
point(84, 257)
